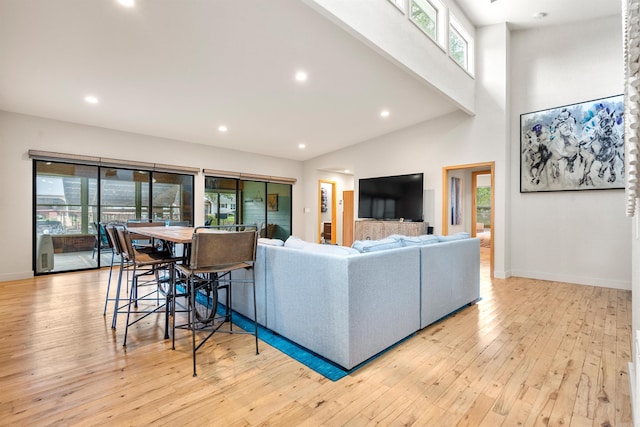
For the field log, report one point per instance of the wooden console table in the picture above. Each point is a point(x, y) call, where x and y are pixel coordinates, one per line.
point(374, 230)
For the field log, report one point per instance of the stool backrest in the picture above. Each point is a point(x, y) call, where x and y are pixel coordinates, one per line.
point(126, 247)
point(112, 236)
point(213, 247)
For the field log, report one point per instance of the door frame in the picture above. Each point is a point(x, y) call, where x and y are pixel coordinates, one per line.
point(475, 169)
point(347, 217)
point(333, 210)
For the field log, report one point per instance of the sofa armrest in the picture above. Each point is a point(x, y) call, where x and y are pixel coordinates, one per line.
point(450, 277)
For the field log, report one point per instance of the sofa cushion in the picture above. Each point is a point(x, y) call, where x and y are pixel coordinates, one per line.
point(457, 236)
point(297, 243)
point(294, 242)
point(329, 249)
point(270, 242)
point(428, 239)
point(423, 240)
point(365, 246)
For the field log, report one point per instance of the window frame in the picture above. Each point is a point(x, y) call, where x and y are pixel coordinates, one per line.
point(92, 205)
point(440, 36)
point(401, 5)
point(456, 27)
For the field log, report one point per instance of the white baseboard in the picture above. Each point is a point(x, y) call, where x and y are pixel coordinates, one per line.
point(634, 401)
point(578, 280)
point(16, 276)
point(634, 380)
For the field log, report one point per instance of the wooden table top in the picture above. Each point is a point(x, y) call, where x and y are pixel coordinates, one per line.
point(173, 233)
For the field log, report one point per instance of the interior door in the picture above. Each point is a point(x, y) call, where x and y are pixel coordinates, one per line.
point(347, 218)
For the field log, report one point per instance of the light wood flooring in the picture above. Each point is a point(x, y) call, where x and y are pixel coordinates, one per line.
point(529, 353)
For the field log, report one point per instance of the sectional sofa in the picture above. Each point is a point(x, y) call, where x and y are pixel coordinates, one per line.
point(348, 304)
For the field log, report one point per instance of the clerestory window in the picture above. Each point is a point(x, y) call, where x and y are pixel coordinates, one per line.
point(400, 4)
point(428, 15)
point(460, 45)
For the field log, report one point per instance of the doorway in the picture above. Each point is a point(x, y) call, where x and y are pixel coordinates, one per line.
point(483, 172)
point(327, 231)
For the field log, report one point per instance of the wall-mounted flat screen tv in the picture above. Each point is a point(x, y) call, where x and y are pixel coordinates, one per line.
point(391, 197)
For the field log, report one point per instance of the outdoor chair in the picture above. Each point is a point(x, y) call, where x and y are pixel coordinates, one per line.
point(102, 240)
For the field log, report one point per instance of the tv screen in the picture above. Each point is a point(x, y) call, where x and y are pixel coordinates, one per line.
point(391, 197)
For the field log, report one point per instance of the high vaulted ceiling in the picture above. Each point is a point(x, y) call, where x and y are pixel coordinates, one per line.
point(180, 69)
point(521, 14)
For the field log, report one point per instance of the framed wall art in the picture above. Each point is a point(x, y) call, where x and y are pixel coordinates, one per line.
point(272, 202)
point(456, 201)
point(573, 147)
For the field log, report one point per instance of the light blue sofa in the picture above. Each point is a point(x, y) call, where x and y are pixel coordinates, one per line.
point(348, 306)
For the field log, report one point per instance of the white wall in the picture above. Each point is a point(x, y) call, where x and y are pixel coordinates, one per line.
point(454, 139)
point(19, 133)
point(383, 27)
point(579, 236)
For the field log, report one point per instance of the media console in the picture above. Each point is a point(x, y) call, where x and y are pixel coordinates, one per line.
point(374, 230)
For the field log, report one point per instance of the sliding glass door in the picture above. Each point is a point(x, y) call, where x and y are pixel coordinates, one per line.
point(73, 202)
point(172, 196)
point(235, 201)
point(65, 217)
point(268, 204)
point(124, 195)
point(220, 206)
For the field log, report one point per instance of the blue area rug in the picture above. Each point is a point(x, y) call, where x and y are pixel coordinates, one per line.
point(311, 360)
point(308, 358)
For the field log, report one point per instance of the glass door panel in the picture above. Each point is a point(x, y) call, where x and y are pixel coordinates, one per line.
point(172, 196)
point(220, 201)
point(65, 218)
point(254, 202)
point(124, 195)
point(278, 211)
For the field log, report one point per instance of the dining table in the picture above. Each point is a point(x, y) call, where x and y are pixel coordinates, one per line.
point(170, 236)
point(171, 233)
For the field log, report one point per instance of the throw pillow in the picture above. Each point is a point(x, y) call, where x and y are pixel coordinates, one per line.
point(270, 242)
point(457, 236)
point(295, 243)
point(365, 246)
point(329, 249)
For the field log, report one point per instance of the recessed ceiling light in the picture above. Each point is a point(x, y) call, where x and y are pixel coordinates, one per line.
point(540, 15)
point(301, 146)
point(301, 76)
point(127, 3)
point(91, 99)
point(384, 113)
point(222, 128)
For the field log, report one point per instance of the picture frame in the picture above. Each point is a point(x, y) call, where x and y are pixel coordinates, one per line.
point(573, 147)
point(272, 202)
point(456, 200)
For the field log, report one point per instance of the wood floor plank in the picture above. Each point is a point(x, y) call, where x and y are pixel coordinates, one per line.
point(528, 353)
